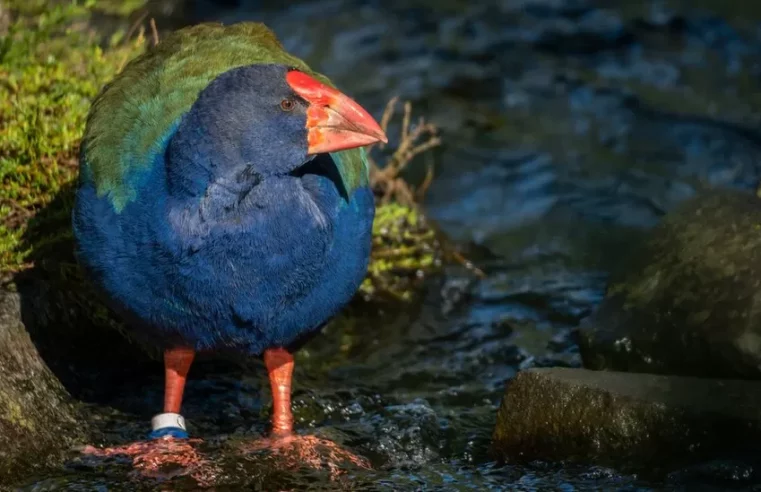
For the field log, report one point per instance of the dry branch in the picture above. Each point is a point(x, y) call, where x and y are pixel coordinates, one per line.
point(386, 181)
point(390, 186)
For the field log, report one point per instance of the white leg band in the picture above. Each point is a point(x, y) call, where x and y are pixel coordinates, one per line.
point(164, 420)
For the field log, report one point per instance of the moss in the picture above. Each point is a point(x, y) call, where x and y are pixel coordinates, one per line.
point(51, 65)
point(14, 414)
point(121, 8)
point(404, 248)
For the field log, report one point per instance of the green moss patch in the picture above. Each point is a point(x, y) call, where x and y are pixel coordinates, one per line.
point(404, 248)
point(51, 66)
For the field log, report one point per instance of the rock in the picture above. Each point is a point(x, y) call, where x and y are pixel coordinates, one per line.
point(689, 302)
point(38, 419)
point(630, 421)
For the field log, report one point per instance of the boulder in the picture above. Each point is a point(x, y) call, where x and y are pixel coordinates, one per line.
point(38, 419)
point(689, 301)
point(625, 420)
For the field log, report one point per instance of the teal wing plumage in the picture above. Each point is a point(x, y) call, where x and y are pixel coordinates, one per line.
point(135, 115)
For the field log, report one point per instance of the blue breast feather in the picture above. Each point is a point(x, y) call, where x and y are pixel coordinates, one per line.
point(289, 258)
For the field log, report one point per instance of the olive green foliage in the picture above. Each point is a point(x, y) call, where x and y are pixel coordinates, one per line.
point(404, 248)
point(51, 67)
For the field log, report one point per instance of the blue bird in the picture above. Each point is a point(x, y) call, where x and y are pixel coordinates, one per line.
point(224, 203)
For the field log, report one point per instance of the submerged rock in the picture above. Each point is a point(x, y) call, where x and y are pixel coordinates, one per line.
point(689, 302)
point(626, 420)
point(38, 419)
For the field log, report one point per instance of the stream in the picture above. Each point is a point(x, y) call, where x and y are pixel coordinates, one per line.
point(570, 127)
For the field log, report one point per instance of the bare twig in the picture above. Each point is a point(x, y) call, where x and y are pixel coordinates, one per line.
point(388, 112)
point(457, 256)
point(423, 188)
point(387, 182)
point(154, 32)
point(140, 39)
point(414, 141)
point(140, 35)
point(406, 121)
point(135, 25)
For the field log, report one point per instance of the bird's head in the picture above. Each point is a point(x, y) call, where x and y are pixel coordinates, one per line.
point(333, 121)
point(272, 119)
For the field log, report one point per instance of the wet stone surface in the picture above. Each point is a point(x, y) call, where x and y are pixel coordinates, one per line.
point(687, 301)
point(38, 420)
point(570, 128)
point(628, 420)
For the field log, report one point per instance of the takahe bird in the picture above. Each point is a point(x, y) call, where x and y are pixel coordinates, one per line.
point(224, 203)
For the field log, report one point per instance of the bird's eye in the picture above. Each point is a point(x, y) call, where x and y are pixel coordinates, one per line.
point(287, 104)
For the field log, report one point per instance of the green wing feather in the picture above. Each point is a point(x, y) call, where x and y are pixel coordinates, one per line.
point(135, 114)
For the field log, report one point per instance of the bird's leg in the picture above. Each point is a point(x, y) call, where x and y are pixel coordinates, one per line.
point(168, 443)
point(297, 449)
point(176, 367)
point(279, 364)
point(177, 363)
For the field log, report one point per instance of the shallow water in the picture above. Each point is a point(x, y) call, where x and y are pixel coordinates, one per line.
point(569, 130)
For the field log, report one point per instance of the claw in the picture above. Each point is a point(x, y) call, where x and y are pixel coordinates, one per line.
point(312, 451)
point(163, 458)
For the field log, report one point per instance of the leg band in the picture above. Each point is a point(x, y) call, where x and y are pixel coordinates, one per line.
point(168, 424)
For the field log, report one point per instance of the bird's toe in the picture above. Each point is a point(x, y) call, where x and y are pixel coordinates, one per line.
point(295, 450)
point(162, 458)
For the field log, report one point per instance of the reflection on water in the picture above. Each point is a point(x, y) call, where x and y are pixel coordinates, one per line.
point(569, 130)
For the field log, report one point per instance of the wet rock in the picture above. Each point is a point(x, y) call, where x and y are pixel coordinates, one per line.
point(689, 301)
point(37, 417)
point(409, 435)
point(631, 421)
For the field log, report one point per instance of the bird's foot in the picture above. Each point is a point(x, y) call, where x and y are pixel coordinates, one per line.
point(162, 458)
point(298, 450)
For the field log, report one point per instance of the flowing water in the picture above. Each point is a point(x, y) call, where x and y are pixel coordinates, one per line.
point(569, 128)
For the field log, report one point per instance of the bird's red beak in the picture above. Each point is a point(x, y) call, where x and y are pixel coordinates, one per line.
point(334, 122)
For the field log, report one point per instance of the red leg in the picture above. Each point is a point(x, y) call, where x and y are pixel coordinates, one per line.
point(150, 457)
point(298, 450)
point(177, 363)
point(280, 368)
